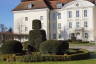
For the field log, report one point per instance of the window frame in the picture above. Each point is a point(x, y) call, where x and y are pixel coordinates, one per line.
point(54, 36)
point(26, 18)
point(70, 25)
point(41, 17)
point(59, 25)
point(85, 13)
point(69, 14)
point(86, 35)
point(59, 36)
point(59, 15)
point(26, 29)
point(85, 24)
point(77, 24)
point(77, 13)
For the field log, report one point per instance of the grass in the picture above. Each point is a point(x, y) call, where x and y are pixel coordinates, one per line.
point(90, 61)
point(80, 44)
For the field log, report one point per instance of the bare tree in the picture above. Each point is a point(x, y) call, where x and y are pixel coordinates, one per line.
point(20, 27)
point(10, 30)
point(3, 28)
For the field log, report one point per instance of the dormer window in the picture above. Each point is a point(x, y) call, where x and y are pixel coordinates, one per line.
point(30, 5)
point(59, 5)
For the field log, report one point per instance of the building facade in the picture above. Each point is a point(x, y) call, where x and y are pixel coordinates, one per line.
point(61, 19)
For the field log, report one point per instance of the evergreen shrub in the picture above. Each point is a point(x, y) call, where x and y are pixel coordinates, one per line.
point(11, 46)
point(54, 47)
point(36, 37)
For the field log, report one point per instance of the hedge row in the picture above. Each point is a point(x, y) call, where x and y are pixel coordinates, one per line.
point(37, 57)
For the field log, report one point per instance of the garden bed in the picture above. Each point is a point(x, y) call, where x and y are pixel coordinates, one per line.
point(75, 54)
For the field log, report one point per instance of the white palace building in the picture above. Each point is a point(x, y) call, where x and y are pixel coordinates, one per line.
point(61, 19)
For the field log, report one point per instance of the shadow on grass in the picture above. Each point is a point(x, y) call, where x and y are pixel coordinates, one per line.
point(92, 55)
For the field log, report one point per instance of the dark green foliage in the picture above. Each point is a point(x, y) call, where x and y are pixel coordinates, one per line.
point(36, 57)
point(36, 37)
point(25, 45)
point(11, 46)
point(36, 24)
point(54, 47)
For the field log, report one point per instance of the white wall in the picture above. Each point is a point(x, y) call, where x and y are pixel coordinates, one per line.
point(50, 17)
point(83, 5)
point(19, 18)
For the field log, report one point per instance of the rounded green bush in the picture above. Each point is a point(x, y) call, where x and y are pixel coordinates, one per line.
point(54, 47)
point(36, 24)
point(25, 45)
point(11, 46)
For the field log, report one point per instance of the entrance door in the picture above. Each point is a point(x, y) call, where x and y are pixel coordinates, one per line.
point(73, 36)
point(78, 37)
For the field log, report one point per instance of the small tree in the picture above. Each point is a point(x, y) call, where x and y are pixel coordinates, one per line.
point(36, 36)
point(10, 30)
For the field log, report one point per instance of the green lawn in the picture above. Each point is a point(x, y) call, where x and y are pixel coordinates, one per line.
point(90, 61)
point(80, 44)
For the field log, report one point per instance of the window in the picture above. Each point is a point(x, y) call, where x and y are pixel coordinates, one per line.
point(59, 5)
point(26, 28)
point(26, 18)
point(30, 5)
point(70, 24)
point(69, 14)
point(54, 36)
point(85, 24)
point(77, 13)
point(86, 35)
point(77, 24)
point(59, 15)
point(60, 35)
point(41, 17)
point(59, 25)
point(85, 13)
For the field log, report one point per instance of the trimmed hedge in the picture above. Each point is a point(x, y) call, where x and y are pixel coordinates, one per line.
point(7, 57)
point(54, 47)
point(25, 45)
point(36, 37)
point(37, 57)
point(36, 24)
point(11, 46)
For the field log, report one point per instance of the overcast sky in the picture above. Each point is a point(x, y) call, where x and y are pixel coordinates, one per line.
point(6, 16)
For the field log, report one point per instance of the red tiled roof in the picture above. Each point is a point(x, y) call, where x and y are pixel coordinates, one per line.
point(53, 3)
point(36, 4)
point(41, 4)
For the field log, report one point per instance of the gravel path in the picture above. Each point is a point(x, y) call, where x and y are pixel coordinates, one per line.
point(90, 48)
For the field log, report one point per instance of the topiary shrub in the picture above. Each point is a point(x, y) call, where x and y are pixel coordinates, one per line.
point(36, 24)
point(36, 36)
point(25, 45)
point(54, 47)
point(11, 46)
